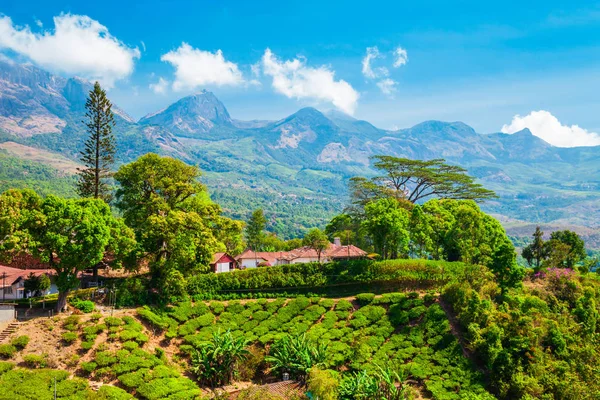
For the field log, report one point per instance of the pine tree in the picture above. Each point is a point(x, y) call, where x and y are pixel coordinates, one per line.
point(99, 152)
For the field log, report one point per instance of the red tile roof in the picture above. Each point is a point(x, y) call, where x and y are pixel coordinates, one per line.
point(13, 274)
point(332, 252)
point(218, 256)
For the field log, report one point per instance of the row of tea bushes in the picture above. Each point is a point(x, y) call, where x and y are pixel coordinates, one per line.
point(403, 330)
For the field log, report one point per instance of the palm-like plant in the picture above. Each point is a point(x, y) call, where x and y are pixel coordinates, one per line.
point(384, 384)
point(296, 355)
point(214, 362)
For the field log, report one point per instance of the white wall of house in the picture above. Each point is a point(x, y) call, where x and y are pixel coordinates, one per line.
point(222, 267)
point(17, 291)
point(250, 262)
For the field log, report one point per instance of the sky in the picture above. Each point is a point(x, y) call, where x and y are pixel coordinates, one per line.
point(497, 66)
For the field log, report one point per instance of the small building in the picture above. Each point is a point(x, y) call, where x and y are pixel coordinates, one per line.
point(12, 282)
point(334, 252)
point(223, 262)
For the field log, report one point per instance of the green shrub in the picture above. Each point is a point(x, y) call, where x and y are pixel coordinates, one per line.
point(113, 321)
point(365, 298)
point(217, 307)
point(107, 392)
point(154, 319)
point(323, 384)
point(5, 367)
point(71, 323)
point(7, 351)
point(95, 317)
point(105, 358)
point(88, 367)
point(86, 346)
point(86, 306)
point(327, 303)
point(69, 337)
point(130, 345)
point(344, 305)
point(35, 360)
point(20, 342)
point(168, 387)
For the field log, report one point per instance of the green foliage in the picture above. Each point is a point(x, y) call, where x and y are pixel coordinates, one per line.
point(98, 155)
point(86, 306)
point(323, 384)
point(296, 355)
point(39, 384)
point(414, 180)
point(317, 240)
point(386, 222)
point(7, 351)
point(255, 230)
point(73, 235)
point(35, 360)
point(365, 298)
point(214, 361)
point(35, 285)
point(107, 392)
point(171, 214)
point(20, 342)
point(69, 337)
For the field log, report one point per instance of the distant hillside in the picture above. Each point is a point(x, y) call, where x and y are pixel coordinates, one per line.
point(297, 168)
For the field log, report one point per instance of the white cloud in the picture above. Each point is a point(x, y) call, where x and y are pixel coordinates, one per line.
point(79, 45)
point(401, 57)
point(195, 68)
point(387, 86)
point(384, 83)
point(547, 127)
point(160, 87)
point(294, 79)
point(367, 70)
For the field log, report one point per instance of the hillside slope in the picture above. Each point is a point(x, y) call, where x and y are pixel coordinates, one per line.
point(298, 167)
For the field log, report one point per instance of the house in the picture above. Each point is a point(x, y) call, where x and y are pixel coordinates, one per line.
point(334, 252)
point(12, 282)
point(223, 262)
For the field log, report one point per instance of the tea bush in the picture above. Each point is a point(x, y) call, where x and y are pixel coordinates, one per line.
point(20, 342)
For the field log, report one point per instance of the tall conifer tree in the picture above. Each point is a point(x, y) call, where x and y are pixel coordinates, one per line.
point(99, 152)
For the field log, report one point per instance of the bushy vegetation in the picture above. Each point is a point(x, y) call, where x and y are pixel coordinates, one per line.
point(541, 342)
point(406, 332)
point(405, 273)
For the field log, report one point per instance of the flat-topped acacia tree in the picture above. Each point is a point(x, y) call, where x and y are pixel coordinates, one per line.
point(415, 180)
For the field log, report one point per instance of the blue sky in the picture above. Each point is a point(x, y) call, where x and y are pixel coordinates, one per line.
point(478, 62)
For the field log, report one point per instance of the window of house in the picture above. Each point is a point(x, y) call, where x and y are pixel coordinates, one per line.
point(8, 290)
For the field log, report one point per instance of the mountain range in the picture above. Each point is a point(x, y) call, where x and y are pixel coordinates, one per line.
point(296, 168)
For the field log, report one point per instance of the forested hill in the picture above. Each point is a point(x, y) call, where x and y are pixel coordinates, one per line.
point(297, 167)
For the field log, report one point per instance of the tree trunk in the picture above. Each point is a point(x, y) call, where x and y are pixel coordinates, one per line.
point(62, 301)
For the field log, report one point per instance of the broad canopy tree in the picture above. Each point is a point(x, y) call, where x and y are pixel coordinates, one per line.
point(74, 235)
point(170, 211)
point(71, 235)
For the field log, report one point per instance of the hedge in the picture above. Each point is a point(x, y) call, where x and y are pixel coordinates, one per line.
point(312, 276)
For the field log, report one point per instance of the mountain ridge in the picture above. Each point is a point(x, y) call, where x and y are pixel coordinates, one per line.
point(309, 154)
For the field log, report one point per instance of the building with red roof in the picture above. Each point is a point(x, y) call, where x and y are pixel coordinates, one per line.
point(12, 282)
point(334, 252)
point(223, 262)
